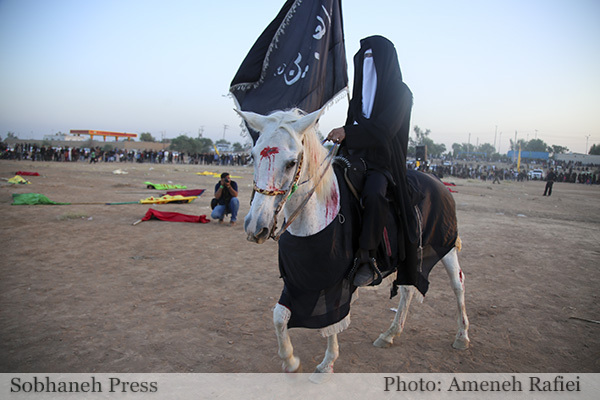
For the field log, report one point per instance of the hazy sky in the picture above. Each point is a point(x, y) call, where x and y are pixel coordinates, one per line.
point(486, 68)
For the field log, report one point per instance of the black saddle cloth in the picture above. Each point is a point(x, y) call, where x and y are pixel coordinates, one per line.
point(314, 268)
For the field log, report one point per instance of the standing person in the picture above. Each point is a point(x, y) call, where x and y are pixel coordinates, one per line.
point(496, 176)
point(377, 130)
point(225, 201)
point(550, 179)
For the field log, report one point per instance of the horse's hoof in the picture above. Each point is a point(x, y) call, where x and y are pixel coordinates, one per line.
point(382, 343)
point(293, 367)
point(461, 343)
point(319, 377)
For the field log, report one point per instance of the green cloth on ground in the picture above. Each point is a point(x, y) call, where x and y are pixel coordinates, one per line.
point(20, 199)
point(160, 186)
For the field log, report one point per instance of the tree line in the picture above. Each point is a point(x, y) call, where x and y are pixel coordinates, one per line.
point(200, 145)
point(438, 150)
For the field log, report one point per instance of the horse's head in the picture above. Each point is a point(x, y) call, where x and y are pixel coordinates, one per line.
point(278, 157)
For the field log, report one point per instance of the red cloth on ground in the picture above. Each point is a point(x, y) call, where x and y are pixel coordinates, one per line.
point(174, 217)
point(450, 184)
point(25, 173)
point(186, 193)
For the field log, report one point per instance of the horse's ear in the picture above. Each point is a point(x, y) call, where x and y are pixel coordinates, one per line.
point(254, 120)
point(307, 121)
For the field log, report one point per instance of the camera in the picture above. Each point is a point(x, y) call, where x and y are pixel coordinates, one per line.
point(227, 180)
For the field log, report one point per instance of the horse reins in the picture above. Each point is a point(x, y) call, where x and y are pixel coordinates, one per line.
point(308, 195)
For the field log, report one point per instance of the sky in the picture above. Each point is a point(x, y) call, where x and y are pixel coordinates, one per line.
point(481, 71)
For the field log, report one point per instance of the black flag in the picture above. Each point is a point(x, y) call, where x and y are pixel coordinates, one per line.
point(298, 61)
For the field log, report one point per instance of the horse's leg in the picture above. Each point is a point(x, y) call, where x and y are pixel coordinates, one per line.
point(281, 316)
point(457, 280)
point(386, 339)
point(331, 354)
point(326, 366)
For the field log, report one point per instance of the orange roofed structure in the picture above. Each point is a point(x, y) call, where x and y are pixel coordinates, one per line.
point(116, 135)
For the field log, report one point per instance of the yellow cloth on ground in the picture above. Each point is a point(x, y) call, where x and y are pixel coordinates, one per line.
point(18, 179)
point(215, 174)
point(207, 173)
point(168, 199)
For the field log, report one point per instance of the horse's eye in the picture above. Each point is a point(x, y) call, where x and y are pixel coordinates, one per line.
point(291, 164)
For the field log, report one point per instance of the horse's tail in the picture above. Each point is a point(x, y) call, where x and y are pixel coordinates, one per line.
point(458, 243)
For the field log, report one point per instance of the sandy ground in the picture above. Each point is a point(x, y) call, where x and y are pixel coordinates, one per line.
point(83, 290)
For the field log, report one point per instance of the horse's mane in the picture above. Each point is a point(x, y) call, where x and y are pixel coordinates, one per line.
point(314, 152)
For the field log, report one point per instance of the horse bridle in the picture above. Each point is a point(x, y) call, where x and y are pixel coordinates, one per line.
point(288, 193)
point(293, 185)
point(277, 192)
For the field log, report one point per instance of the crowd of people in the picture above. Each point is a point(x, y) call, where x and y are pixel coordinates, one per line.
point(569, 172)
point(565, 172)
point(33, 152)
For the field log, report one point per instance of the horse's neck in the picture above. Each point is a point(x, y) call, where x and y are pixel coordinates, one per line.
point(318, 213)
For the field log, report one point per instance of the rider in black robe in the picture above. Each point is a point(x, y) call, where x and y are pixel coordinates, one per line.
point(377, 130)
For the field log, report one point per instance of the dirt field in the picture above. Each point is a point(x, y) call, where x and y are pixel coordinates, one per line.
point(83, 290)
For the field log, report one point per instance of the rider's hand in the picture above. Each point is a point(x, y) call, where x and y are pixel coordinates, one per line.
point(337, 135)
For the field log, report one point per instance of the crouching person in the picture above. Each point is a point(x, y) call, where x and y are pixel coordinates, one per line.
point(225, 200)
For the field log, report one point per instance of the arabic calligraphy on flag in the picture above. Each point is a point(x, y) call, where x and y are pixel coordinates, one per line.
point(298, 61)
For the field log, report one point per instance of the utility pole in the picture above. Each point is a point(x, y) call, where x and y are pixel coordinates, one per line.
point(224, 129)
point(515, 148)
point(586, 144)
point(495, 134)
point(469, 146)
point(499, 142)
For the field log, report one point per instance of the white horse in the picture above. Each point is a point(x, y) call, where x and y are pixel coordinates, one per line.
point(289, 158)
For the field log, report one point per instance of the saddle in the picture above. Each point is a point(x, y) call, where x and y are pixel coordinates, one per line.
point(355, 172)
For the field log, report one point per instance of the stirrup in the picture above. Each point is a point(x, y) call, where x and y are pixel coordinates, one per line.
point(372, 263)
